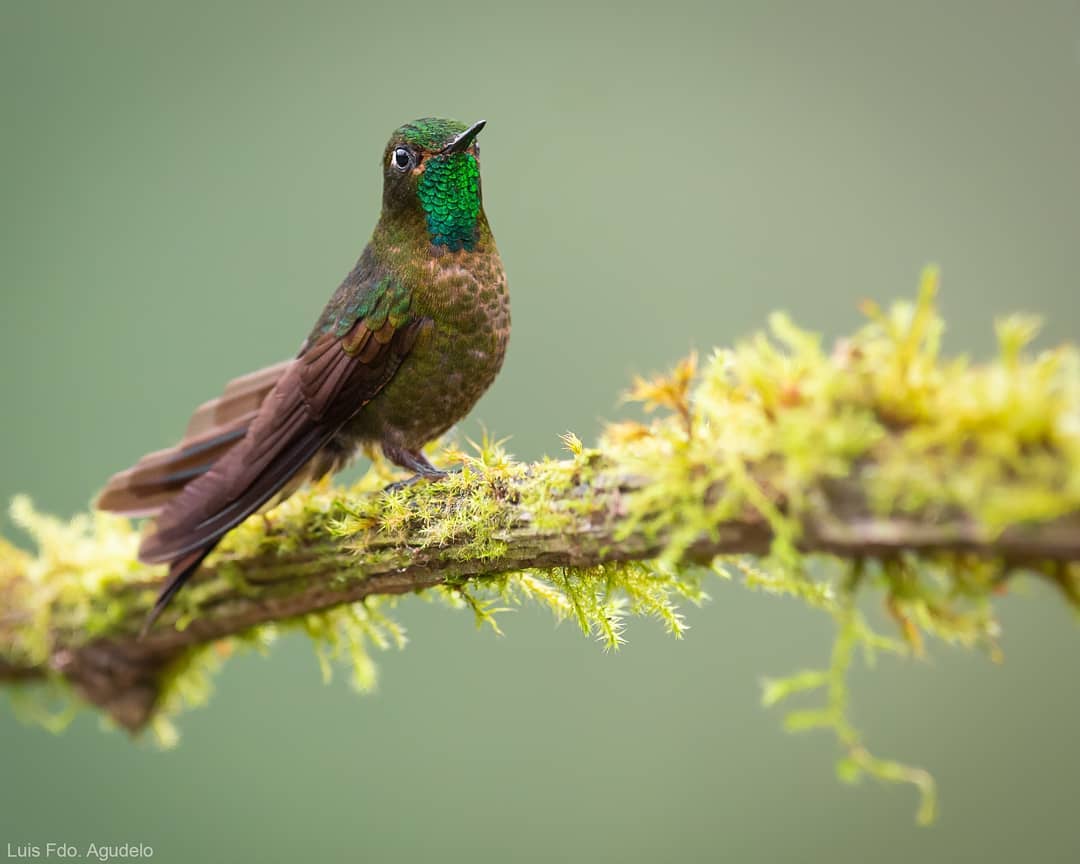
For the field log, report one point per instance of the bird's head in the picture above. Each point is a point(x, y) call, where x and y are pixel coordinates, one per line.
point(431, 174)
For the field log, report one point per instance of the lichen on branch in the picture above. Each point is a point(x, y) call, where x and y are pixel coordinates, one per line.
point(875, 466)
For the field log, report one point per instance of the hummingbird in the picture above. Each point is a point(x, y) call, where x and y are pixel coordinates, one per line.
point(407, 344)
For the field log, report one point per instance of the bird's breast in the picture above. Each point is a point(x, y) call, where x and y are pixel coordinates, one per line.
point(455, 358)
point(468, 304)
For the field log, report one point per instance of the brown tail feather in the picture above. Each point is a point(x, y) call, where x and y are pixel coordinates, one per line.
point(179, 572)
point(242, 396)
point(148, 486)
point(217, 425)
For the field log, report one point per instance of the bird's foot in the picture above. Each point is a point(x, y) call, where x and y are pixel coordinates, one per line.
point(433, 475)
point(417, 462)
point(412, 481)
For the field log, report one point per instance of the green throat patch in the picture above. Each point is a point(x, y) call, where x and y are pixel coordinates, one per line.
point(450, 195)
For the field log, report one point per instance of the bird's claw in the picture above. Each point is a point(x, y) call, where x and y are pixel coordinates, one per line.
point(416, 478)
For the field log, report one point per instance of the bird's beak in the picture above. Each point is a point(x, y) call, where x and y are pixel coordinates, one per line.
point(462, 141)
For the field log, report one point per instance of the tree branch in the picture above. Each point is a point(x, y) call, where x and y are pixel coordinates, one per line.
point(875, 451)
point(119, 672)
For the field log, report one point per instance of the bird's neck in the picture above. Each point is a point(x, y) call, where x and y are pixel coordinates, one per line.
point(403, 238)
point(441, 209)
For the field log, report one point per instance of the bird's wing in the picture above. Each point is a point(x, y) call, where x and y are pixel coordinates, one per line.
point(348, 359)
point(217, 426)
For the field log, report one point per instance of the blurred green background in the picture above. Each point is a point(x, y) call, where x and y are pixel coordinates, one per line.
point(184, 184)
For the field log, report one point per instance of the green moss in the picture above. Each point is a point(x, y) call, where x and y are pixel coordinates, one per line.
point(999, 443)
point(752, 437)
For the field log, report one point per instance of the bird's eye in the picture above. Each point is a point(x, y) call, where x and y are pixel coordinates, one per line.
point(402, 158)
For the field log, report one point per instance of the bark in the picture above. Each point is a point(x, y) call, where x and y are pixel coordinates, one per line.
point(120, 672)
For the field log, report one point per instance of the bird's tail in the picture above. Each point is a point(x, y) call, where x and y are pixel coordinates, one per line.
point(180, 571)
point(215, 428)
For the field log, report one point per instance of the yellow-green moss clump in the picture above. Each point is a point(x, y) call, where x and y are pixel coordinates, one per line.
point(764, 428)
point(756, 437)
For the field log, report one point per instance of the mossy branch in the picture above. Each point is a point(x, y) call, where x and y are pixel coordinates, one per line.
point(306, 563)
point(934, 480)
